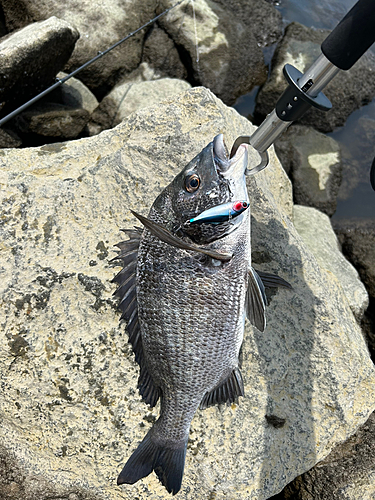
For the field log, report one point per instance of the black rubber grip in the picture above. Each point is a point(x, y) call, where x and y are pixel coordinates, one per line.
point(372, 174)
point(352, 36)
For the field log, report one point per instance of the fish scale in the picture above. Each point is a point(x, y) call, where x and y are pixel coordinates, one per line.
point(186, 311)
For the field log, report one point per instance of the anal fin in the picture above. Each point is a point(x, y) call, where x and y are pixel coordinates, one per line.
point(226, 392)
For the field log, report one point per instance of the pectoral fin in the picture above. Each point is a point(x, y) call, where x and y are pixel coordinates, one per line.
point(272, 280)
point(256, 301)
point(164, 235)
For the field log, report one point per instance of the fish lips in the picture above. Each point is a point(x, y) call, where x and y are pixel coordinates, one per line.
point(226, 166)
point(232, 169)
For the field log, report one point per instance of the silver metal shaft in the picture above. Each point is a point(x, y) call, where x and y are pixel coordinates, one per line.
point(317, 77)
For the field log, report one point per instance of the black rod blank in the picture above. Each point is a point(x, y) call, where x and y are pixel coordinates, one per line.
point(73, 73)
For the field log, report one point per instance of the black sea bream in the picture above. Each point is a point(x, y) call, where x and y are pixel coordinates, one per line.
point(184, 290)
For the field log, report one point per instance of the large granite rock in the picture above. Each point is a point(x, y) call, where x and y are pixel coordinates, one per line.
point(219, 46)
point(348, 473)
point(313, 162)
point(125, 98)
point(31, 58)
point(70, 412)
point(100, 25)
point(348, 91)
point(316, 231)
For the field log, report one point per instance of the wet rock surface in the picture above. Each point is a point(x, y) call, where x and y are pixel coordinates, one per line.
point(31, 57)
point(358, 241)
point(348, 91)
point(313, 162)
point(68, 373)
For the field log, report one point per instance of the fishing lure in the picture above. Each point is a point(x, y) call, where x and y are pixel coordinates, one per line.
point(220, 213)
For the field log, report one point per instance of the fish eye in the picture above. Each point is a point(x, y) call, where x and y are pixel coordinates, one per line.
point(192, 183)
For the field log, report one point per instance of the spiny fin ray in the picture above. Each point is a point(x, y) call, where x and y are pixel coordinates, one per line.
point(126, 291)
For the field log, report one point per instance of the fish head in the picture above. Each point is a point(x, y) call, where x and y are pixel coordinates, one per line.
point(208, 180)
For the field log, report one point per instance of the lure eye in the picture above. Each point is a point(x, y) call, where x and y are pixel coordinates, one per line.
point(239, 205)
point(192, 183)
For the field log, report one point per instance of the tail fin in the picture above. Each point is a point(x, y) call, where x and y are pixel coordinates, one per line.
point(167, 461)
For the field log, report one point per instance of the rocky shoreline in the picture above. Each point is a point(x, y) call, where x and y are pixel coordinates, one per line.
point(71, 168)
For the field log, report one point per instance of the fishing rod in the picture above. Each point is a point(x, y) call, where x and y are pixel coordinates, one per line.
point(351, 38)
point(60, 81)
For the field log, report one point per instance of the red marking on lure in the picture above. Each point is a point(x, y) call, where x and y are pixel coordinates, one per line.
point(240, 206)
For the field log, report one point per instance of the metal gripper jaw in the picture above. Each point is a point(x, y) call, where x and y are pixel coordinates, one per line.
point(264, 158)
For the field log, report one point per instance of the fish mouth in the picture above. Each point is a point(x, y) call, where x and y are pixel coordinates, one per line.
point(226, 166)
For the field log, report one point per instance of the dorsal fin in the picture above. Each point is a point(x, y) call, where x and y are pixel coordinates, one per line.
point(127, 293)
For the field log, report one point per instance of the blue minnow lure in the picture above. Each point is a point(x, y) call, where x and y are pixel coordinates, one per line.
point(220, 213)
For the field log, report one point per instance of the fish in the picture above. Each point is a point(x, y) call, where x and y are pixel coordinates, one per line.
point(220, 213)
point(184, 291)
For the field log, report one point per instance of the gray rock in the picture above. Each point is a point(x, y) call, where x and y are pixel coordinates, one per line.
point(75, 94)
point(347, 91)
point(16, 484)
point(126, 98)
point(100, 24)
point(31, 58)
point(9, 139)
point(313, 162)
point(316, 231)
point(357, 238)
point(348, 473)
point(160, 53)
point(3, 30)
point(262, 18)
point(53, 120)
point(70, 411)
point(223, 51)
point(62, 114)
